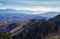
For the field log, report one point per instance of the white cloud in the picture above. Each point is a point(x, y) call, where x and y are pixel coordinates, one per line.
point(38, 8)
point(35, 9)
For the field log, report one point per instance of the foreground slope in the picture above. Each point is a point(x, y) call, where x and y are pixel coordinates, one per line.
point(40, 29)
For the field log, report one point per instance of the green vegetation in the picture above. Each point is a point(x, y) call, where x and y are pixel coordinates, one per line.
point(4, 35)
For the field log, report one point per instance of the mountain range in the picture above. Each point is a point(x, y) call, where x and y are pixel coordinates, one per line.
point(30, 26)
point(38, 29)
point(11, 14)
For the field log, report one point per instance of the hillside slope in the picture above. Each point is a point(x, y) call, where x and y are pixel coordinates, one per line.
point(40, 29)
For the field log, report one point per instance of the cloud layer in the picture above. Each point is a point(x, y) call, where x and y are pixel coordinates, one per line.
point(33, 5)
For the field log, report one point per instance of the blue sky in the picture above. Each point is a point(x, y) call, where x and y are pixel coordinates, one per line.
point(51, 3)
point(34, 5)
